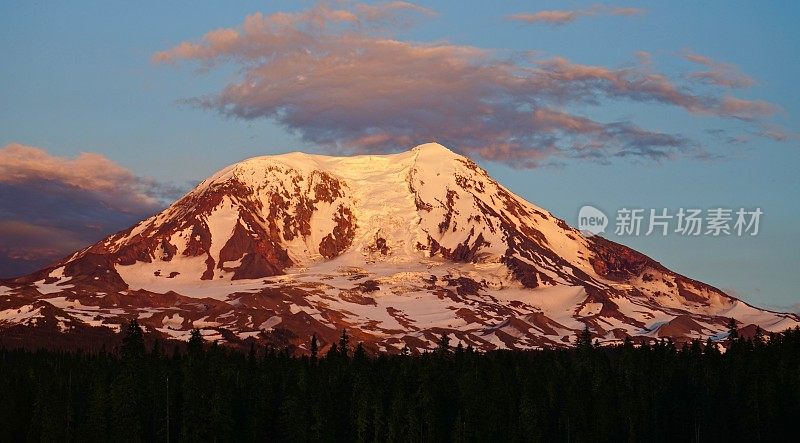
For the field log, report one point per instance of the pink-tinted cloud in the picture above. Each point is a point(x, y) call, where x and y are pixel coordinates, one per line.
point(562, 17)
point(91, 173)
point(745, 109)
point(338, 80)
point(586, 83)
point(776, 133)
point(719, 74)
point(389, 11)
point(552, 17)
point(51, 206)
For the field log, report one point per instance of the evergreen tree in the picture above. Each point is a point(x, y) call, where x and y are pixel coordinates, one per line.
point(251, 355)
point(710, 348)
point(133, 341)
point(584, 339)
point(696, 348)
point(156, 349)
point(127, 396)
point(313, 348)
point(360, 354)
point(758, 337)
point(444, 344)
point(344, 341)
point(627, 343)
point(333, 352)
point(224, 394)
point(97, 418)
point(733, 330)
point(195, 346)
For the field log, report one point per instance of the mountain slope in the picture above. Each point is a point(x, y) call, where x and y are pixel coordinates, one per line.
point(396, 248)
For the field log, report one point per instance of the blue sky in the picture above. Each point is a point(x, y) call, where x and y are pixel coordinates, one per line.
point(79, 77)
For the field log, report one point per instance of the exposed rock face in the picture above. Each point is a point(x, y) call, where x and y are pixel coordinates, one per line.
point(398, 249)
point(341, 237)
point(616, 262)
point(259, 212)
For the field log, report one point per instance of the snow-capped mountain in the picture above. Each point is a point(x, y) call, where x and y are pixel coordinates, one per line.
point(397, 249)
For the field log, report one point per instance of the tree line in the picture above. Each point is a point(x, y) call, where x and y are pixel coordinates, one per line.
point(207, 392)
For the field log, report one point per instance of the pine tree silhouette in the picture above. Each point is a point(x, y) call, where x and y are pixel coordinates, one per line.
point(359, 354)
point(195, 346)
point(133, 341)
point(344, 341)
point(733, 330)
point(584, 339)
point(444, 344)
point(313, 347)
point(333, 352)
point(506, 395)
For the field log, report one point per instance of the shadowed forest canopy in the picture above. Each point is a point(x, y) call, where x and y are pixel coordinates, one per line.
point(202, 392)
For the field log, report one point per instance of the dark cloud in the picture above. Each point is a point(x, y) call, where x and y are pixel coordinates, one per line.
point(51, 206)
point(26, 247)
point(338, 80)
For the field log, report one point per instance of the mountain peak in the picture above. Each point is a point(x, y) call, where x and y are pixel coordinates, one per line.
point(397, 248)
point(435, 154)
point(433, 148)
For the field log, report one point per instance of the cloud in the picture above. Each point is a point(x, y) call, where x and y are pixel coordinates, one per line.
point(595, 136)
point(338, 79)
point(719, 74)
point(562, 17)
point(26, 247)
point(744, 109)
point(776, 133)
point(389, 11)
point(761, 129)
point(552, 17)
point(91, 173)
point(51, 206)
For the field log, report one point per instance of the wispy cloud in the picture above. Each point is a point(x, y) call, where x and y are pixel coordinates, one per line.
point(776, 133)
point(718, 73)
point(51, 206)
point(562, 17)
point(338, 79)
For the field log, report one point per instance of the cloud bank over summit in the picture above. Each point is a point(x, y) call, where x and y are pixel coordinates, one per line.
point(339, 77)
